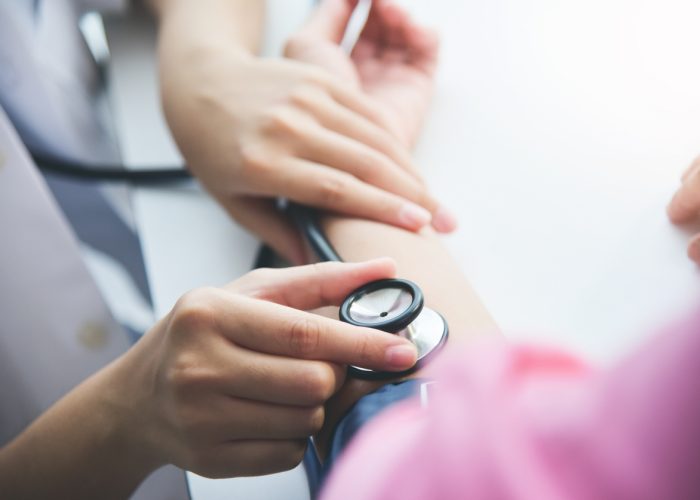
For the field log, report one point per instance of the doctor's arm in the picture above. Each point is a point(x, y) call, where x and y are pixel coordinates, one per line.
point(231, 382)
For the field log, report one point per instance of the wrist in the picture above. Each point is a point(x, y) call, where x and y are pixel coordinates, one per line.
point(231, 24)
point(123, 409)
point(89, 433)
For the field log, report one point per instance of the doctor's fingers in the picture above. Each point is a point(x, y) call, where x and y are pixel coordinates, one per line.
point(222, 418)
point(268, 379)
point(685, 205)
point(314, 285)
point(261, 217)
point(245, 458)
point(283, 331)
point(317, 185)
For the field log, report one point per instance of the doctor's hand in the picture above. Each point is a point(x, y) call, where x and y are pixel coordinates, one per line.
point(234, 379)
point(253, 129)
point(393, 61)
point(685, 205)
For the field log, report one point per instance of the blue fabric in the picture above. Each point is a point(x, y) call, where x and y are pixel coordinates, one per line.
point(97, 225)
point(365, 410)
point(313, 469)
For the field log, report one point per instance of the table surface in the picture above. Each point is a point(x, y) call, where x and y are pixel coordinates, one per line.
point(558, 133)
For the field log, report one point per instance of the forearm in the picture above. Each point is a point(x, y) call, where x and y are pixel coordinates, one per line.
point(422, 258)
point(199, 25)
point(81, 448)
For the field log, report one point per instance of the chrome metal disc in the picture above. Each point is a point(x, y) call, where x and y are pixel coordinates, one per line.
point(381, 305)
point(388, 305)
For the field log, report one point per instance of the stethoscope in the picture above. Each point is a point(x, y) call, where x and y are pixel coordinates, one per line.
point(391, 305)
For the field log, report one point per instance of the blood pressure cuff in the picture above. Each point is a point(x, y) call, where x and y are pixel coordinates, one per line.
point(360, 414)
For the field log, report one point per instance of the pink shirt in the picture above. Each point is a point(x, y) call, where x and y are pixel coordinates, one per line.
point(520, 422)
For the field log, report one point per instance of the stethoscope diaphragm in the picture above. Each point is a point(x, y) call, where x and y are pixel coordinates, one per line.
point(395, 306)
point(389, 305)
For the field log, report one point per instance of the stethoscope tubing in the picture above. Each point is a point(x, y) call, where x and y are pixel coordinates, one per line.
point(306, 220)
point(110, 173)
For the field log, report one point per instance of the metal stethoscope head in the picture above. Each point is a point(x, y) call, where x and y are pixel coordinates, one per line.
point(391, 305)
point(395, 306)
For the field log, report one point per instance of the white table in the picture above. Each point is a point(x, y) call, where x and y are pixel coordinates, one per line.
point(558, 133)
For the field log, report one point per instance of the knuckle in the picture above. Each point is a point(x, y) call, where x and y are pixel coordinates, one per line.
point(305, 96)
point(303, 337)
point(315, 420)
point(194, 312)
point(318, 382)
point(281, 121)
point(333, 190)
point(296, 44)
point(254, 160)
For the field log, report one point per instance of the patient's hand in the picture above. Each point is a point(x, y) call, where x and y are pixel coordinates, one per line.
point(685, 205)
point(254, 129)
point(393, 61)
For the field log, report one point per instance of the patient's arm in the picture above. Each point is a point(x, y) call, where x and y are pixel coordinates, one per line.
point(422, 258)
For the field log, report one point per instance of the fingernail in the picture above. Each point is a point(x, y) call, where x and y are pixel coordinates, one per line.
point(413, 215)
point(444, 221)
point(401, 356)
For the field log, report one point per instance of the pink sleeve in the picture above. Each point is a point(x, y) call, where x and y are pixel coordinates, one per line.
point(530, 423)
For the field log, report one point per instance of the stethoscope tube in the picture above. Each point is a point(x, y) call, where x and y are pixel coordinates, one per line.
point(110, 173)
point(306, 219)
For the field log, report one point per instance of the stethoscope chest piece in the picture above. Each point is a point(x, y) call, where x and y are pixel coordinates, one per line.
point(395, 306)
point(389, 305)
